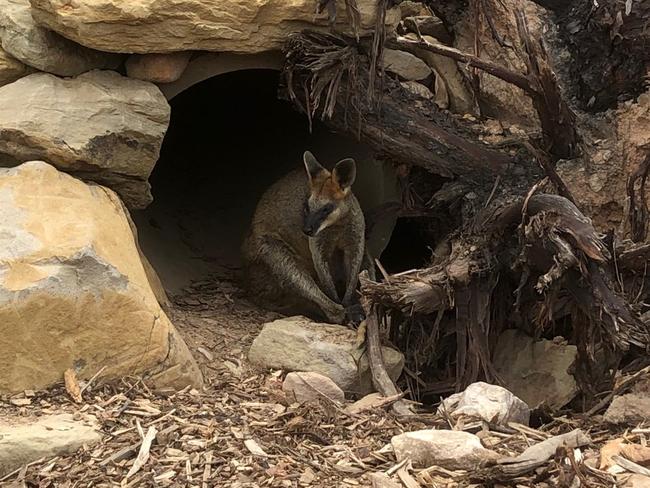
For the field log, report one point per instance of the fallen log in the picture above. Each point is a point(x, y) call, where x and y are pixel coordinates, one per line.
point(327, 76)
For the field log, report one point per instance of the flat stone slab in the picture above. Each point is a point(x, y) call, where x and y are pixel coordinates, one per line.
point(298, 344)
point(54, 435)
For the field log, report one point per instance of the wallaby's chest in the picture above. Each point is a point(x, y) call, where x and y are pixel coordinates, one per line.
point(336, 261)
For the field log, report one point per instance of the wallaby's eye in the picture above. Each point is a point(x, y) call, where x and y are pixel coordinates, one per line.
point(326, 209)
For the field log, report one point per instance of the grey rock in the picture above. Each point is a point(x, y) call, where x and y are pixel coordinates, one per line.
point(631, 409)
point(536, 371)
point(450, 449)
point(49, 436)
point(409, 8)
point(42, 49)
point(491, 403)
point(381, 480)
point(460, 97)
point(100, 126)
point(405, 65)
point(306, 387)
point(11, 69)
point(428, 25)
point(417, 89)
point(298, 344)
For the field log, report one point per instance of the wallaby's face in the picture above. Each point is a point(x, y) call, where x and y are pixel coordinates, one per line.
point(328, 193)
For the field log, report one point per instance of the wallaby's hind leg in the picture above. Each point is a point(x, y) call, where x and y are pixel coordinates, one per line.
point(292, 277)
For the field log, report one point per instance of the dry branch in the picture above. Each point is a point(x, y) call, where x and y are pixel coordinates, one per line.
point(380, 378)
point(535, 456)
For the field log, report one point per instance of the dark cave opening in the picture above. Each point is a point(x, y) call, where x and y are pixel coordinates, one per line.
point(228, 140)
point(408, 247)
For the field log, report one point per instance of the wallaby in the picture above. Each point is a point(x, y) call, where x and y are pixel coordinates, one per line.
point(306, 244)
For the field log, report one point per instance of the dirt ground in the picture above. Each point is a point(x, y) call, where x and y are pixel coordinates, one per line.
point(241, 431)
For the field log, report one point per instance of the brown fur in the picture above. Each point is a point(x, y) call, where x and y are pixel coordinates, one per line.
point(293, 273)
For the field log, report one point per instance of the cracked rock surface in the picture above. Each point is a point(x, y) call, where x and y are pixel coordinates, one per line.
point(74, 292)
point(101, 126)
point(40, 48)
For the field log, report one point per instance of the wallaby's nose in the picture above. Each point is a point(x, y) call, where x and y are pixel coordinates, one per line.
point(309, 230)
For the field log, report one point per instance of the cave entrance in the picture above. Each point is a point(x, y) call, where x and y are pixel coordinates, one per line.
point(228, 140)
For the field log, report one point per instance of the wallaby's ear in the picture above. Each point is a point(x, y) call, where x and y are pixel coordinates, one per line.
point(312, 165)
point(345, 172)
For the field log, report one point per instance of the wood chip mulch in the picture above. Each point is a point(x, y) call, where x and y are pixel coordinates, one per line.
point(240, 431)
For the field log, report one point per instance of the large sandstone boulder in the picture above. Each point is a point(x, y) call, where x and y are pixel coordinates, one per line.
point(43, 49)
point(49, 436)
point(100, 126)
point(73, 290)
point(298, 344)
point(159, 26)
point(11, 69)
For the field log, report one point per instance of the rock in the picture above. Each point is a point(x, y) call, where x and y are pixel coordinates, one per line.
point(47, 437)
point(535, 371)
point(631, 409)
point(491, 403)
point(405, 65)
point(298, 344)
point(460, 98)
point(310, 387)
point(237, 26)
point(506, 101)
point(409, 8)
point(100, 125)
point(417, 89)
point(44, 50)
point(11, 69)
point(636, 481)
point(157, 68)
point(428, 25)
point(381, 480)
point(73, 291)
point(450, 449)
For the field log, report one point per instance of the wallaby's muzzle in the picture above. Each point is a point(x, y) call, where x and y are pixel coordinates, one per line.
point(310, 228)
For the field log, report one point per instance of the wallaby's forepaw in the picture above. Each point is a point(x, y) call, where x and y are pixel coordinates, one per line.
point(354, 314)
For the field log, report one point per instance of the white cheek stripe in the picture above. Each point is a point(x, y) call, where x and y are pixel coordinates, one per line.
point(331, 218)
